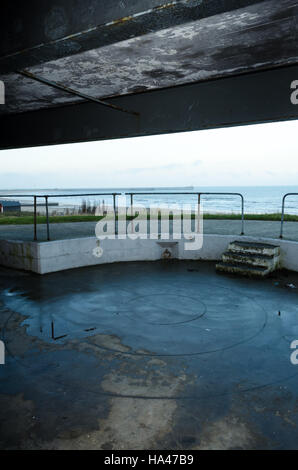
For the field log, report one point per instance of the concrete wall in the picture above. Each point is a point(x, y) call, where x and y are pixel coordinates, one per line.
point(59, 255)
point(20, 255)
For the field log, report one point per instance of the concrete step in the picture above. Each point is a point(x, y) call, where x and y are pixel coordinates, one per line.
point(254, 248)
point(252, 259)
point(243, 269)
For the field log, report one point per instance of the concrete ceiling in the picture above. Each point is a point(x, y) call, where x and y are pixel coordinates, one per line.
point(262, 35)
point(179, 66)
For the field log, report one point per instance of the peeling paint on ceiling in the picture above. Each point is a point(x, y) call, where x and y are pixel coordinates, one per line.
point(262, 35)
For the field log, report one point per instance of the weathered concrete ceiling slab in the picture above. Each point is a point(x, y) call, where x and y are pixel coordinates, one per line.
point(195, 65)
point(262, 35)
point(249, 98)
point(36, 32)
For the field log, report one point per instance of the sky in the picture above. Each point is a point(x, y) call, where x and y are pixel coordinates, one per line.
point(255, 155)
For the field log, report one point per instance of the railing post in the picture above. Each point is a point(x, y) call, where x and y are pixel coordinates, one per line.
point(115, 212)
point(131, 212)
point(242, 214)
point(199, 212)
point(282, 216)
point(47, 216)
point(35, 219)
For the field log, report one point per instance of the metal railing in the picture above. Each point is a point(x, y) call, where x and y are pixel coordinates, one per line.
point(192, 193)
point(46, 197)
point(283, 212)
point(23, 195)
point(114, 195)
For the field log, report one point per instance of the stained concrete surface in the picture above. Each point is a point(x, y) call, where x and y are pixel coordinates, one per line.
point(263, 35)
point(158, 355)
point(259, 228)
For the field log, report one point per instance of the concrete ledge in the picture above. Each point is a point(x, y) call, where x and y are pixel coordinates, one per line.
point(47, 257)
point(20, 255)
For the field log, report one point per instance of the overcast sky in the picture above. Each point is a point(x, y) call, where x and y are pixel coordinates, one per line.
point(264, 154)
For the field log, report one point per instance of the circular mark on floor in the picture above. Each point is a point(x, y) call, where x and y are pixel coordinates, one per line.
point(230, 319)
point(228, 311)
point(165, 309)
point(164, 321)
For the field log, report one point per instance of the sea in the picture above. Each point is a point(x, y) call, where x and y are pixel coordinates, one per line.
point(258, 199)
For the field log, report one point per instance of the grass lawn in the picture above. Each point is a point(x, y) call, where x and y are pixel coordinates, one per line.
point(57, 219)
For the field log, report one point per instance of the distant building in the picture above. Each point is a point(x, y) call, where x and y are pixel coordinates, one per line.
point(9, 206)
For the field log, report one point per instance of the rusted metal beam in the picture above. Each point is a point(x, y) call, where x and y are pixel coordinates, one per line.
point(66, 89)
point(36, 32)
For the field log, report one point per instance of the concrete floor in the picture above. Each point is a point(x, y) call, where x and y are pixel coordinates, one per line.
point(270, 229)
point(160, 355)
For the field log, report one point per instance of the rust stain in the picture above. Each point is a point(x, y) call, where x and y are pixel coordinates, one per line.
point(170, 4)
point(120, 21)
point(166, 5)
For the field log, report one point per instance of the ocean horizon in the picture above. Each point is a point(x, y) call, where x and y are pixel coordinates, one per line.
point(258, 199)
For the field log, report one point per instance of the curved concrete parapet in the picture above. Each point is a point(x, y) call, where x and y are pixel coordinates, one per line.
point(46, 257)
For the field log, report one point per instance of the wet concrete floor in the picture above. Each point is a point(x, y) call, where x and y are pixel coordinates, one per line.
point(156, 355)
